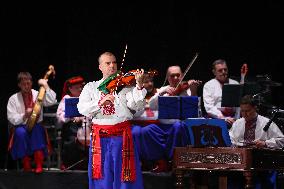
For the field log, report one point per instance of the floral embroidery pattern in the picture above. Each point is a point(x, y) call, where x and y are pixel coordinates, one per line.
point(106, 109)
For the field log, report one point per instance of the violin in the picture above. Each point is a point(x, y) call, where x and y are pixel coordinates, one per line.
point(183, 86)
point(127, 79)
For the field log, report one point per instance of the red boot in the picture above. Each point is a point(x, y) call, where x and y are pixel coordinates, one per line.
point(27, 164)
point(39, 157)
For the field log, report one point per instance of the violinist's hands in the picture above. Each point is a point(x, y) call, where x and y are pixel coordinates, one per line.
point(139, 78)
point(107, 100)
point(43, 82)
point(170, 91)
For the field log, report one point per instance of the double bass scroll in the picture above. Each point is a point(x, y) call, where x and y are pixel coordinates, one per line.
point(39, 100)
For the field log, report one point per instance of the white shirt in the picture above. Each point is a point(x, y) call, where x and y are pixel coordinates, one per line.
point(60, 113)
point(153, 102)
point(212, 97)
point(128, 101)
point(273, 137)
point(16, 106)
point(142, 115)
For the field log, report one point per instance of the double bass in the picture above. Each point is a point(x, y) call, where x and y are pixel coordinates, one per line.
point(38, 104)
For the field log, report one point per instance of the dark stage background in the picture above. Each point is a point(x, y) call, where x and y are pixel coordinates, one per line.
point(158, 35)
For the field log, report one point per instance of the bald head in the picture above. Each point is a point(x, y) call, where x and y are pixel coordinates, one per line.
point(174, 75)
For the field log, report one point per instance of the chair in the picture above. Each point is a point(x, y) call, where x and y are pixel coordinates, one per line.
point(54, 134)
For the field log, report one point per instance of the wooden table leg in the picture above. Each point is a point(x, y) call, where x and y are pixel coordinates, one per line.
point(248, 179)
point(179, 179)
point(223, 182)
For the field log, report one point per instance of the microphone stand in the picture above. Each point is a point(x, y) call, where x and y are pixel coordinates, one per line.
point(85, 139)
point(266, 127)
point(85, 145)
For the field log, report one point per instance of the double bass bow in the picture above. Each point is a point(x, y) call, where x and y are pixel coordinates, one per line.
point(38, 104)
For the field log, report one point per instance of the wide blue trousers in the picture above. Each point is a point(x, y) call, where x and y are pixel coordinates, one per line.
point(111, 151)
point(156, 142)
point(26, 143)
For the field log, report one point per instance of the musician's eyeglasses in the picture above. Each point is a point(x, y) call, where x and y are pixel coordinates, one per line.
point(222, 70)
point(174, 75)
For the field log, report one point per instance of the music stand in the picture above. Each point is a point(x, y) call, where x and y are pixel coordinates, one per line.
point(71, 107)
point(71, 111)
point(178, 107)
point(208, 132)
point(232, 93)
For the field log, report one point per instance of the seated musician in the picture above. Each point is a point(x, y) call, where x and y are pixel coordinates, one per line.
point(150, 138)
point(249, 131)
point(72, 88)
point(23, 144)
point(147, 116)
point(174, 131)
point(212, 93)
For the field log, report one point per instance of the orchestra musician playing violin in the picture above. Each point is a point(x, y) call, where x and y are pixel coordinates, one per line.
point(174, 131)
point(113, 158)
point(176, 87)
point(23, 143)
point(185, 88)
point(147, 116)
point(149, 137)
point(212, 93)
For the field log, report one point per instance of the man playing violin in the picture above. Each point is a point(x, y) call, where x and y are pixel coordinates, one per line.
point(113, 159)
point(149, 137)
point(186, 88)
point(19, 108)
point(170, 132)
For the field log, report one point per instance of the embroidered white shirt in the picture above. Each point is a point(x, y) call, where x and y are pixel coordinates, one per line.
point(16, 106)
point(127, 102)
point(273, 138)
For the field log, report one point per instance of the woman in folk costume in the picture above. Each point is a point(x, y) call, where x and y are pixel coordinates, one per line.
point(71, 150)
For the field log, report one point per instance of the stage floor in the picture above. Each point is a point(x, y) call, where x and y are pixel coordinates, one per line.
point(74, 179)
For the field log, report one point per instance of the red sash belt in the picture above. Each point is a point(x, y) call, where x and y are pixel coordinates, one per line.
point(123, 129)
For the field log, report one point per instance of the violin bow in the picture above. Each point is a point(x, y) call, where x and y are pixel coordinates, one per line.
point(121, 66)
point(187, 69)
point(124, 55)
